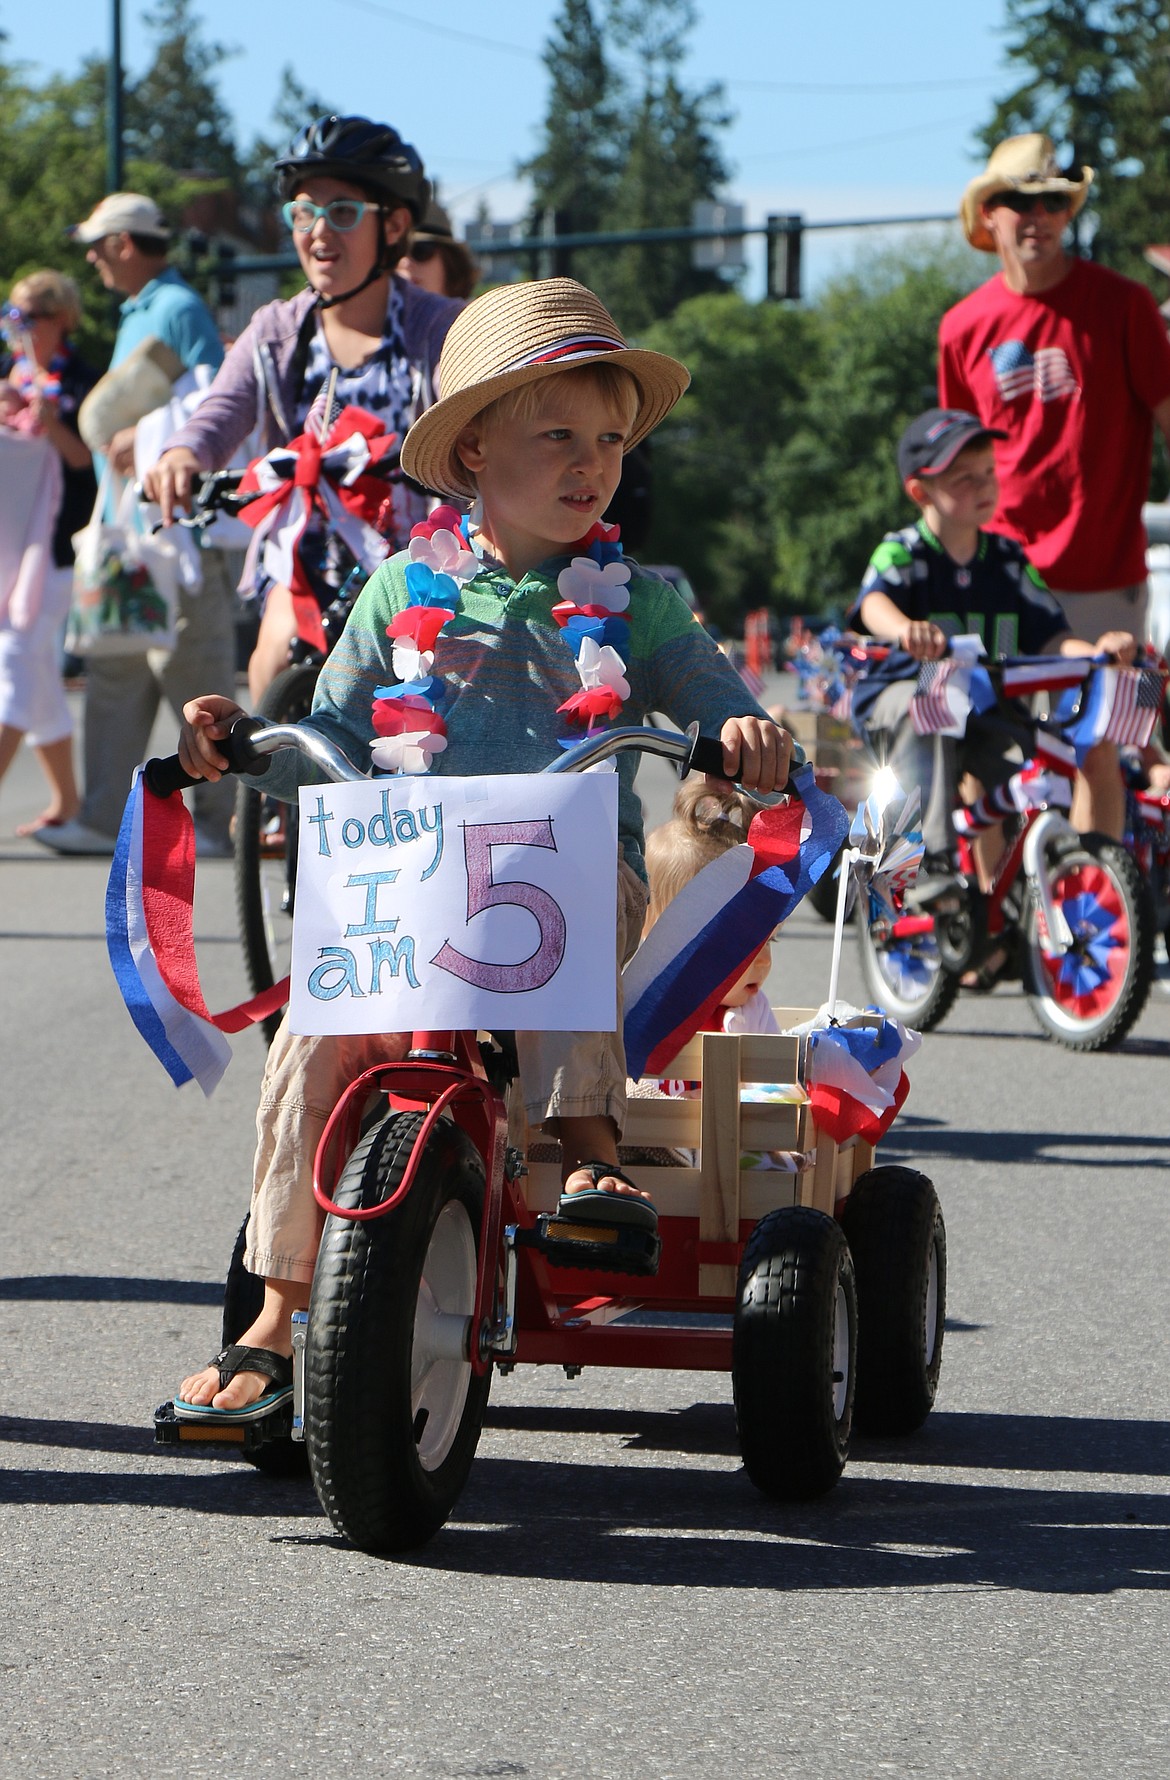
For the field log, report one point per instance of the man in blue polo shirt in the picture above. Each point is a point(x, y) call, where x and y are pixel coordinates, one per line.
point(126, 239)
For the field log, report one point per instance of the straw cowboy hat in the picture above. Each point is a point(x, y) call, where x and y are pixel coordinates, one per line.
point(1020, 164)
point(514, 335)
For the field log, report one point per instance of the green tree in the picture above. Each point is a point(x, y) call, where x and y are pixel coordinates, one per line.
point(671, 159)
point(174, 115)
point(296, 105)
point(632, 152)
point(1097, 80)
point(775, 476)
point(576, 171)
point(750, 365)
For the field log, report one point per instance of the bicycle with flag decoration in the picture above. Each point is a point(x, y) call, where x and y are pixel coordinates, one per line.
point(321, 512)
point(818, 1281)
point(1068, 914)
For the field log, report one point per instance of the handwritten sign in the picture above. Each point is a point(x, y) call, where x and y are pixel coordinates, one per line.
point(425, 903)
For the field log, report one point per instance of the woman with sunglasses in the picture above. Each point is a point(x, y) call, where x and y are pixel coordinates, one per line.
point(434, 259)
point(42, 385)
point(352, 190)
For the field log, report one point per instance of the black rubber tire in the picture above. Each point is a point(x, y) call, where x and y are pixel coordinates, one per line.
point(924, 1012)
point(894, 1226)
point(359, 1421)
point(793, 1363)
point(243, 1298)
point(822, 898)
point(1102, 1030)
point(289, 698)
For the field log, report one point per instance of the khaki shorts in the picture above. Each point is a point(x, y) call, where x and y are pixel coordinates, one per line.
point(563, 1075)
point(1090, 615)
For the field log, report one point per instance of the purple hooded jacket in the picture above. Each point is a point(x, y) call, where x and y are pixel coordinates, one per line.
point(253, 387)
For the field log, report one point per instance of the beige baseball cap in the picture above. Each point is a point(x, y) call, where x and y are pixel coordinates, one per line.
point(122, 213)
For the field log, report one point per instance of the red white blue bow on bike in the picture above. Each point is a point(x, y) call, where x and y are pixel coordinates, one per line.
point(857, 1078)
point(717, 923)
point(330, 477)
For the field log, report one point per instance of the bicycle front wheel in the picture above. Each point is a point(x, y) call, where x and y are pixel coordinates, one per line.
point(1088, 998)
point(266, 851)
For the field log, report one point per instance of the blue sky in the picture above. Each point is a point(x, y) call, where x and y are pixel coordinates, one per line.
point(844, 109)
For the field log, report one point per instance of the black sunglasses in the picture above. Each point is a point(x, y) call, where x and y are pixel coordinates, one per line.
point(1023, 203)
point(422, 251)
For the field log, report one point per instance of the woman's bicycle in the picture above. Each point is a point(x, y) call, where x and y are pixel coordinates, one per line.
point(445, 1257)
point(1070, 913)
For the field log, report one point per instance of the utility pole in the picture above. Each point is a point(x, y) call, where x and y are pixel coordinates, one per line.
point(114, 101)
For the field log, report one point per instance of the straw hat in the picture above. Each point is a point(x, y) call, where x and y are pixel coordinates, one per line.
point(1019, 164)
point(514, 335)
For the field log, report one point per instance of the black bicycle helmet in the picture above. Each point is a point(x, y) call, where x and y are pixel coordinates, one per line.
point(366, 154)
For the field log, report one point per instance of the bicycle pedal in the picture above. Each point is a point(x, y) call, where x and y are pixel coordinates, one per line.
point(248, 1437)
point(599, 1248)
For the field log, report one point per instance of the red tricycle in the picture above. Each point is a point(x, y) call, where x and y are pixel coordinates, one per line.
point(821, 1286)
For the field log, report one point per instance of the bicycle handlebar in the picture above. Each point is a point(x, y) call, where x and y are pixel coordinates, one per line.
point(250, 743)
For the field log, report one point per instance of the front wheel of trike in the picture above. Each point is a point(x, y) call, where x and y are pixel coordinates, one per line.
point(794, 1351)
point(393, 1409)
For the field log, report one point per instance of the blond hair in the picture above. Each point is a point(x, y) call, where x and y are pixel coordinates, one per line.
point(703, 824)
point(616, 386)
point(53, 292)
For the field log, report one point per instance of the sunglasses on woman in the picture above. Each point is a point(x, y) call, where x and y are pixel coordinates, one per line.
point(422, 251)
point(342, 214)
point(1023, 203)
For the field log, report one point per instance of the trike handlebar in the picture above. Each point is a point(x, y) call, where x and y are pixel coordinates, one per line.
point(250, 742)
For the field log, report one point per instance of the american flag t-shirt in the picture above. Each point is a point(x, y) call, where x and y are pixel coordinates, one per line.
point(1045, 374)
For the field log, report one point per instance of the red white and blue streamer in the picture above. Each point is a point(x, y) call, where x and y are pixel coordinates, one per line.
point(712, 930)
point(151, 944)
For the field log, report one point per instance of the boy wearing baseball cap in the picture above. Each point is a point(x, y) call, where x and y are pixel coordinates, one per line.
point(947, 576)
point(541, 397)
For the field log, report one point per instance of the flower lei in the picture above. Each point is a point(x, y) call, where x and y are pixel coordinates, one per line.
point(409, 728)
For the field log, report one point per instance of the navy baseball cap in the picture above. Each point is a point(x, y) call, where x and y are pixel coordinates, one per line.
point(931, 443)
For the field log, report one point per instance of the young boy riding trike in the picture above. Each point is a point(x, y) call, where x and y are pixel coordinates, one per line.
point(477, 651)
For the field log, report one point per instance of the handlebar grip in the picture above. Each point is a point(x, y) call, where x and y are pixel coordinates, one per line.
point(164, 774)
point(706, 756)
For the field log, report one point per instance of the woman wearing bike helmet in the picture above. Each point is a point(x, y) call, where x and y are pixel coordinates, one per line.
point(352, 190)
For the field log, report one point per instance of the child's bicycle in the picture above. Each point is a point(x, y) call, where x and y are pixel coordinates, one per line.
point(1070, 913)
point(444, 1257)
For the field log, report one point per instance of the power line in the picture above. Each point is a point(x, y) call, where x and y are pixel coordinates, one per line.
point(446, 31)
point(828, 148)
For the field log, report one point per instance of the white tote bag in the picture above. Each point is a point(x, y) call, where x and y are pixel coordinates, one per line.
point(125, 582)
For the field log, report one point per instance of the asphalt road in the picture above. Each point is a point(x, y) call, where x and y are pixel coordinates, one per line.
point(613, 1598)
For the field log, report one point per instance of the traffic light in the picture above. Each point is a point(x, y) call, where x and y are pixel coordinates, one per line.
point(785, 234)
point(225, 274)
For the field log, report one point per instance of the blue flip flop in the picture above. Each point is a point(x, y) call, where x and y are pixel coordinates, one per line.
point(243, 1359)
point(591, 1206)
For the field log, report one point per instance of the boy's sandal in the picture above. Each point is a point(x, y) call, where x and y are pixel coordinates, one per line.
point(231, 1360)
point(589, 1205)
point(990, 972)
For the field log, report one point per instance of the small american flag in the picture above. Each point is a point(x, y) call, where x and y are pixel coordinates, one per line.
point(1045, 374)
point(930, 710)
point(1122, 706)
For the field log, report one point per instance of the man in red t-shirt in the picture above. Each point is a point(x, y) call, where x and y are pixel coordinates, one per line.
point(1072, 362)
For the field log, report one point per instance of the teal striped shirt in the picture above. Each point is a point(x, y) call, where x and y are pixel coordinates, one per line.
point(507, 668)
